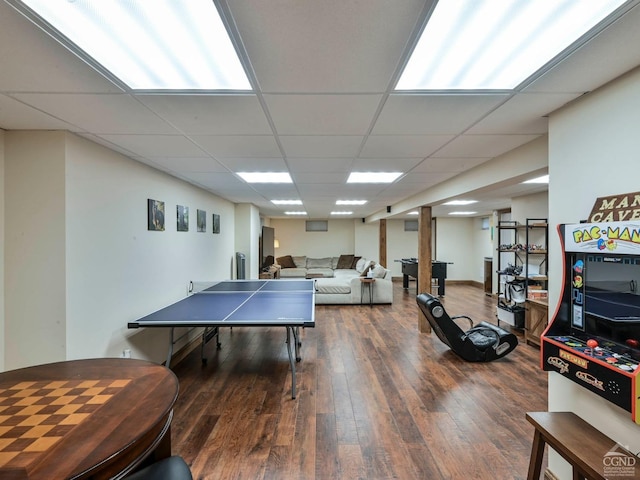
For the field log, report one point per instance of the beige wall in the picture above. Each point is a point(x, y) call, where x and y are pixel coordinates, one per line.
point(2, 324)
point(593, 152)
point(79, 238)
point(35, 269)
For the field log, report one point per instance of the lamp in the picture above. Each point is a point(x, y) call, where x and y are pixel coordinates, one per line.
point(276, 243)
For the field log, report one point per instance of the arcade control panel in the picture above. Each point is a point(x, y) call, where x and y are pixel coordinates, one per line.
point(603, 367)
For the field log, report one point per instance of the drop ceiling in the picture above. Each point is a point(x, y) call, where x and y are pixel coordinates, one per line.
point(323, 105)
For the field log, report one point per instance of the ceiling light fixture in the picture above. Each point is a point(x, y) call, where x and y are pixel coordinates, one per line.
point(542, 179)
point(373, 177)
point(341, 213)
point(295, 213)
point(496, 44)
point(158, 45)
point(286, 202)
point(350, 202)
point(462, 213)
point(460, 202)
point(265, 177)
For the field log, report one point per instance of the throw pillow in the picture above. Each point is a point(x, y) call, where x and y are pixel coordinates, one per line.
point(345, 262)
point(319, 262)
point(354, 265)
point(286, 262)
point(379, 271)
point(365, 269)
point(300, 261)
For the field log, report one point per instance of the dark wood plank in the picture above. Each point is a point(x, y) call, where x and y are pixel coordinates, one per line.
point(376, 399)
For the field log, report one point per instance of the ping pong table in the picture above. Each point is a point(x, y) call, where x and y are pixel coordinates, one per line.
point(240, 303)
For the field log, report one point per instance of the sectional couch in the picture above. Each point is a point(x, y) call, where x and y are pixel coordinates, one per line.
point(338, 278)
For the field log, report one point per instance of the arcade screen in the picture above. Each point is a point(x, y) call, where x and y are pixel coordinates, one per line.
point(611, 303)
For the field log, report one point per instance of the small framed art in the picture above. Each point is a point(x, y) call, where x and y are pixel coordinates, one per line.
point(155, 215)
point(216, 223)
point(202, 220)
point(183, 218)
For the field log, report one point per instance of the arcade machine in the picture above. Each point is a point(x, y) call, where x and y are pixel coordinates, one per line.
point(594, 338)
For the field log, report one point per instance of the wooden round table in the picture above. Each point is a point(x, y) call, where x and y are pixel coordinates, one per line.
point(97, 418)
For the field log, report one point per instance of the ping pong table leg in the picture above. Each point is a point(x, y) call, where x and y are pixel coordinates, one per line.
point(290, 330)
point(170, 353)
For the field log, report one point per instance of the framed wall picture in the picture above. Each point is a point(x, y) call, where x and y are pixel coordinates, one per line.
point(202, 220)
point(183, 218)
point(155, 215)
point(216, 223)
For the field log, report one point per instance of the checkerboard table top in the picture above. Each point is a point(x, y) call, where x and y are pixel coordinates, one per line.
point(36, 415)
point(81, 419)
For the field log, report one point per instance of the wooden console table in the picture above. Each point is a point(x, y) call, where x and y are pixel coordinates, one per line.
point(80, 419)
point(580, 444)
point(535, 320)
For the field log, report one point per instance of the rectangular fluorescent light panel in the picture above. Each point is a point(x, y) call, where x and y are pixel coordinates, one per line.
point(496, 44)
point(350, 202)
point(543, 179)
point(286, 202)
point(373, 177)
point(460, 202)
point(265, 177)
point(462, 213)
point(341, 213)
point(295, 213)
point(151, 45)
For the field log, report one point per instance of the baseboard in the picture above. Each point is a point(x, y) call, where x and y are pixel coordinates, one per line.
point(471, 283)
point(185, 350)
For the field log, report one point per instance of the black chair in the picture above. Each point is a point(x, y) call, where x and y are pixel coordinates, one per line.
point(481, 343)
point(171, 468)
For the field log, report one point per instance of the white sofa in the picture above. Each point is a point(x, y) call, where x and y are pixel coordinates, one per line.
point(341, 286)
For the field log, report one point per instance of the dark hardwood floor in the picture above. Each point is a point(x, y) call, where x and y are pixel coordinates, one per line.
point(376, 400)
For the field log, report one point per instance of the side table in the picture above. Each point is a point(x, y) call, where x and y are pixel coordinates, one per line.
point(368, 283)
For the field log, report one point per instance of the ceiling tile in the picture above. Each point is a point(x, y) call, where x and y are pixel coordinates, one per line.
point(189, 164)
point(384, 164)
point(420, 114)
point(238, 145)
point(403, 146)
point(211, 114)
point(321, 146)
point(322, 114)
point(254, 164)
point(441, 165)
point(310, 165)
point(522, 114)
point(327, 46)
point(100, 114)
point(484, 145)
point(310, 178)
point(15, 115)
point(156, 145)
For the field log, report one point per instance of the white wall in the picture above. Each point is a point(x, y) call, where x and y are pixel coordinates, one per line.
point(454, 240)
point(81, 241)
point(294, 240)
point(460, 241)
point(2, 326)
point(35, 303)
point(247, 232)
point(367, 240)
point(400, 244)
point(593, 152)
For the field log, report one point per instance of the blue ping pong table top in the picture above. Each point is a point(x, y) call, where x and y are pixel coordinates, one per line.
point(238, 303)
point(619, 307)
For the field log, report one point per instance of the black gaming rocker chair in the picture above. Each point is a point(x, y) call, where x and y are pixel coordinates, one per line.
point(481, 343)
